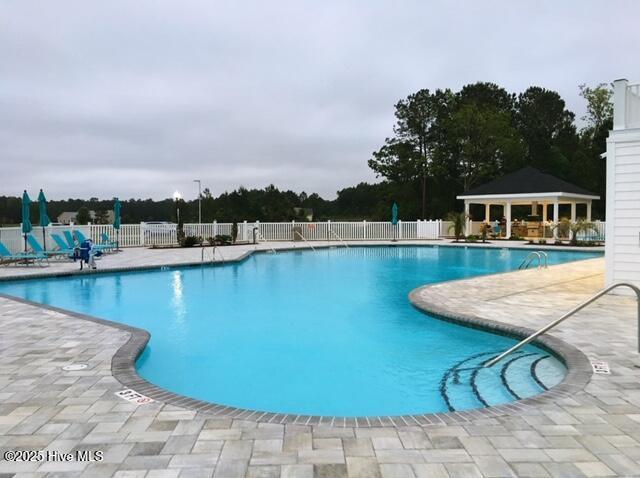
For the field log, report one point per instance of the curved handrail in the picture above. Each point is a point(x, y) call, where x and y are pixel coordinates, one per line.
point(260, 236)
point(573, 311)
point(339, 238)
point(304, 239)
point(528, 259)
point(531, 256)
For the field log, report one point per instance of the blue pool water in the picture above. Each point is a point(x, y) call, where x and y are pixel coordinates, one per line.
point(324, 333)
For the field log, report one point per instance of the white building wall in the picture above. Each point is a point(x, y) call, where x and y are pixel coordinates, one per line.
point(622, 247)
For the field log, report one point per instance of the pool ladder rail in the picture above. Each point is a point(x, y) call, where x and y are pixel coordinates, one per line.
point(259, 235)
point(213, 254)
point(573, 311)
point(542, 260)
point(338, 237)
point(304, 239)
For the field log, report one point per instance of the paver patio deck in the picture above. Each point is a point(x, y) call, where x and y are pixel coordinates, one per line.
point(596, 432)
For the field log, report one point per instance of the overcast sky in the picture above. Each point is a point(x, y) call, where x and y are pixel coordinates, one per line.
point(138, 98)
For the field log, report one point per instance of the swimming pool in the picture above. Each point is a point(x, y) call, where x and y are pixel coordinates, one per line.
point(329, 332)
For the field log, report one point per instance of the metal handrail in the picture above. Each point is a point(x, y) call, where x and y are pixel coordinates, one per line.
point(260, 236)
point(566, 316)
point(339, 238)
point(531, 256)
point(304, 239)
point(213, 254)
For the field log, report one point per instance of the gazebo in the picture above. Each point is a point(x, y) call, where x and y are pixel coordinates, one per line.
point(529, 186)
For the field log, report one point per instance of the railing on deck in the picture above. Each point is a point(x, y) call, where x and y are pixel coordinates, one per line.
point(165, 234)
point(348, 231)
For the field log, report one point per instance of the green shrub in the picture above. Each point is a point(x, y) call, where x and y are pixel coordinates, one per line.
point(189, 241)
point(472, 238)
point(222, 240)
point(234, 232)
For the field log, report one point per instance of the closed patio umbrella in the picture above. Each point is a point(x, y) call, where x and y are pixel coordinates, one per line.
point(394, 219)
point(26, 221)
point(116, 222)
point(44, 218)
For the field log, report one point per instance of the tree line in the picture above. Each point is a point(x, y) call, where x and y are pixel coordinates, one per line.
point(443, 144)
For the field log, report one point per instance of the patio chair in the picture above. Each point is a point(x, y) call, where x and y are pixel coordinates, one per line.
point(38, 249)
point(71, 242)
point(98, 247)
point(108, 242)
point(6, 257)
point(63, 246)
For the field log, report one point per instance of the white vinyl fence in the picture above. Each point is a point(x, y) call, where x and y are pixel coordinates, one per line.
point(206, 231)
point(334, 231)
point(165, 234)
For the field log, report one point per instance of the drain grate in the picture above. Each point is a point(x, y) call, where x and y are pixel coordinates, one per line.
point(601, 367)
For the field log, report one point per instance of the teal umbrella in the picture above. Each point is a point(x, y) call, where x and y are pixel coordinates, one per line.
point(26, 221)
point(44, 218)
point(394, 219)
point(116, 220)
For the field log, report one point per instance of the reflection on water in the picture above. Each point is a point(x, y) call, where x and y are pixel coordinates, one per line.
point(177, 300)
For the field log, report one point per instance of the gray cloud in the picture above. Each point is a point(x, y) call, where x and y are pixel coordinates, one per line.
point(136, 99)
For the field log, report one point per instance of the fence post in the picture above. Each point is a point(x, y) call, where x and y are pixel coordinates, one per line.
point(215, 228)
point(245, 236)
point(364, 229)
point(142, 234)
point(328, 229)
point(400, 229)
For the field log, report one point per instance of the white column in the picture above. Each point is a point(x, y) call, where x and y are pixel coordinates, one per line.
point(589, 211)
point(507, 213)
point(467, 229)
point(620, 104)
point(487, 213)
point(544, 212)
point(573, 212)
point(556, 217)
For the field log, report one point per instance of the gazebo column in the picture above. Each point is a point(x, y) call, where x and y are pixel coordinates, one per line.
point(589, 211)
point(507, 214)
point(573, 212)
point(487, 213)
point(556, 218)
point(467, 229)
point(544, 212)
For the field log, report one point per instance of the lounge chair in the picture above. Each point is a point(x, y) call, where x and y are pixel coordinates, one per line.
point(98, 247)
point(6, 257)
point(62, 245)
point(71, 242)
point(38, 249)
point(108, 242)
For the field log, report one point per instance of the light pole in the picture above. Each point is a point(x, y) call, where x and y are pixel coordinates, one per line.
point(199, 200)
point(176, 197)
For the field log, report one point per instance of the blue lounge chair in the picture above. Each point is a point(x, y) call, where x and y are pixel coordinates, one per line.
point(98, 247)
point(6, 257)
point(71, 242)
point(37, 248)
point(62, 245)
point(108, 242)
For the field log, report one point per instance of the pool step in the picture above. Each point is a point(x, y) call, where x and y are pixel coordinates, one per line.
point(468, 384)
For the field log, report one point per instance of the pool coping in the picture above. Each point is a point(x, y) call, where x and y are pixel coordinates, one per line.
point(245, 255)
point(579, 370)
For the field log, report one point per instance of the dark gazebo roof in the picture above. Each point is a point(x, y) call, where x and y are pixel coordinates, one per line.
point(527, 180)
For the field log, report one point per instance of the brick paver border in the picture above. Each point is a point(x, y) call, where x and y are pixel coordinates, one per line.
point(579, 370)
